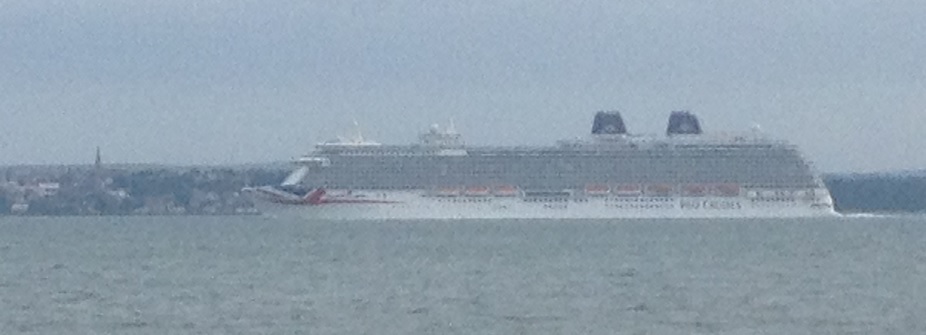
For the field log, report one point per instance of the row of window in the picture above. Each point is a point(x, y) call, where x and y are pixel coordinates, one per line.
point(467, 200)
point(773, 200)
point(642, 206)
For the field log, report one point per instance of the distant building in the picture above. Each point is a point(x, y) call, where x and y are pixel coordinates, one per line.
point(19, 208)
point(48, 189)
point(120, 194)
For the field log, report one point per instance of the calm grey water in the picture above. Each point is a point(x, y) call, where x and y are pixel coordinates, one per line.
point(253, 275)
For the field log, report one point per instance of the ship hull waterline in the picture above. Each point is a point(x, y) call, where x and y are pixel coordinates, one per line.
point(411, 205)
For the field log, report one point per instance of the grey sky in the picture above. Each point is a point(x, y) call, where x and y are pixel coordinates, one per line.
point(205, 82)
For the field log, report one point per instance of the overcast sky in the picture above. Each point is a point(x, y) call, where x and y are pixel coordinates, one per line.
point(212, 82)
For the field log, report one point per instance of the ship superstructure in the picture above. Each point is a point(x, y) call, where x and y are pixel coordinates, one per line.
point(685, 173)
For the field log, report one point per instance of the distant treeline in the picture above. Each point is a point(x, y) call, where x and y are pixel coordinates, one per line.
point(878, 192)
point(124, 192)
point(215, 190)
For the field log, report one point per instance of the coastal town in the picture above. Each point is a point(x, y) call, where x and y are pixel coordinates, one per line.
point(101, 189)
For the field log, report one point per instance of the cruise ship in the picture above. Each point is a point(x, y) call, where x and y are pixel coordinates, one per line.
point(610, 174)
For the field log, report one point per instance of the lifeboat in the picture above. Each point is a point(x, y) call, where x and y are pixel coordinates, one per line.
point(505, 191)
point(597, 189)
point(694, 190)
point(630, 190)
point(477, 191)
point(767, 194)
point(658, 189)
point(726, 190)
point(447, 192)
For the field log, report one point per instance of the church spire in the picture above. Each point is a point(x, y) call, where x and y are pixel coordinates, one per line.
point(98, 163)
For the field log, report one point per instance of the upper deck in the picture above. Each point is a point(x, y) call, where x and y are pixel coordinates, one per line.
point(442, 158)
point(597, 144)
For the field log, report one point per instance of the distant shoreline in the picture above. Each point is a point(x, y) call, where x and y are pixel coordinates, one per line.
point(121, 215)
point(165, 190)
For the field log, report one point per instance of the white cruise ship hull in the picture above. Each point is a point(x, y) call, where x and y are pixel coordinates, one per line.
point(415, 205)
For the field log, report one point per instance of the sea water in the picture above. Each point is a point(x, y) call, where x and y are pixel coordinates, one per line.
point(258, 275)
